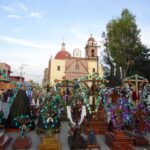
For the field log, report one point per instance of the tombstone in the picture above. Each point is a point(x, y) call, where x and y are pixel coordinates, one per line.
point(23, 141)
point(118, 140)
point(99, 125)
point(49, 142)
point(98, 122)
point(140, 120)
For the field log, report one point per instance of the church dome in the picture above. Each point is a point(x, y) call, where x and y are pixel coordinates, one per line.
point(77, 52)
point(63, 54)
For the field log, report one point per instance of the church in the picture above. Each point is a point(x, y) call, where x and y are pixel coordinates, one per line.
point(68, 67)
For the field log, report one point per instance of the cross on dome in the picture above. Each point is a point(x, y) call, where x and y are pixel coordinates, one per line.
point(63, 46)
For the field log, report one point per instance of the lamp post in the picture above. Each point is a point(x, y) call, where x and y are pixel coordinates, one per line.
point(21, 71)
point(97, 58)
point(97, 65)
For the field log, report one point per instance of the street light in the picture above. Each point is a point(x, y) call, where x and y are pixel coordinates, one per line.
point(21, 71)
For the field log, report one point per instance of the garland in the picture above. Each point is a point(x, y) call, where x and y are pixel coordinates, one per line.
point(85, 92)
point(50, 113)
point(86, 101)
point(23, 126)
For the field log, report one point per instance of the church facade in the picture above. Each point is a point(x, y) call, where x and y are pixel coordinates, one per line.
point(65, 66)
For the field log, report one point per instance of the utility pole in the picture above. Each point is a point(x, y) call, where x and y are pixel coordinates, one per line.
point(21, 71)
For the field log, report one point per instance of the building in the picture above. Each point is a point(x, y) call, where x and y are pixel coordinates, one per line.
point(6, 69)
point(17, 79)
point(65, 66)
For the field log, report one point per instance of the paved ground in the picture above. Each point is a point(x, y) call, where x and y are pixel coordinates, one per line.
point(63, 136)
point(63, 139)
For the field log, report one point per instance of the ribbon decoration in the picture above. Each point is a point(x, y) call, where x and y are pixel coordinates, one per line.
point(69, 115)
point(83, 114)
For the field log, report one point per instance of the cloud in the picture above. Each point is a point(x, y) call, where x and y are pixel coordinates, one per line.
point(15, 8)
point(20, 10)
point(14, 16)
point(23, 7)
point(9, 9)
point(23, 42)
point(36, 15)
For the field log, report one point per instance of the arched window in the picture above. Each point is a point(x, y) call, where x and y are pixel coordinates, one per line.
point(58, 68)
point(92, 53)
point(93, 70)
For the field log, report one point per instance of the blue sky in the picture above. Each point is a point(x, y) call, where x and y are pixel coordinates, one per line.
point(31, 31)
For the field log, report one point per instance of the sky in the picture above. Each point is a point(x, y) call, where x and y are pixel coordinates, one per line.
point(31, 31)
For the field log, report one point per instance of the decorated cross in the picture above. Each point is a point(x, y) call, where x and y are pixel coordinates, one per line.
point(141, 114)
point(67, 84)
point(136, 81)
point(95, 81)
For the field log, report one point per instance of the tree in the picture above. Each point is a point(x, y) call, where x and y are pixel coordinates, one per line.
point(141, 65)
point(124, 43)
point(112, 72)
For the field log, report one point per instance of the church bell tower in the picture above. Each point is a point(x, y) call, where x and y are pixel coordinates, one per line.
point(91, 48)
